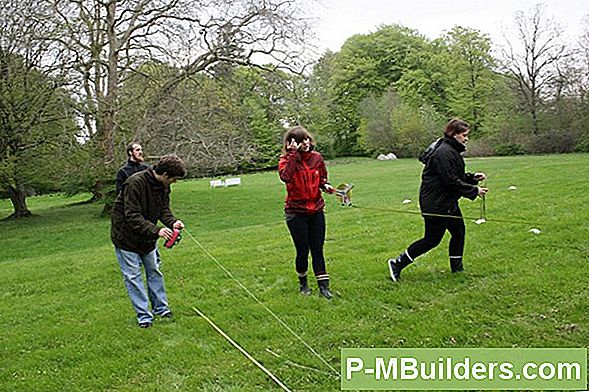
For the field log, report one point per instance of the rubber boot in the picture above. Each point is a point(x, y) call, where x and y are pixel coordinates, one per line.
point(397, 265)
point(324, 288)
point(456, 264)
point(304, 285)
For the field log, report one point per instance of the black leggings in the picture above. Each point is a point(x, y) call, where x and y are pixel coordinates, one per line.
point(435, 227)
point(308, 233)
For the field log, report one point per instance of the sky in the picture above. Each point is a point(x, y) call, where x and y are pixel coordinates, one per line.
point(337, 20)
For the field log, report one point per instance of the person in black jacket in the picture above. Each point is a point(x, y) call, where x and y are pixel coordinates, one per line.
point(144, 200)
point(135, 163)
point(443, 182)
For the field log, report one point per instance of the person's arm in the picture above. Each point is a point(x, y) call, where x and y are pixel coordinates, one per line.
point(448, 170)
point(166, 216)
point(121, 177)
point(287, 166)
point(474, 178)
point(324, 184)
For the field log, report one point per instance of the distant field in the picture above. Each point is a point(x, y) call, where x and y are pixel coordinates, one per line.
point(67, 324)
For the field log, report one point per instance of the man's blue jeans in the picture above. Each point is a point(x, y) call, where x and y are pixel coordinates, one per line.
point(130, 263)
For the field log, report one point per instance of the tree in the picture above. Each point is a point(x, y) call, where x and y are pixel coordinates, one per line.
point(367, 64)
point(389, 124)
point(35, 120)
point(106, 42)
point(472, 79)
point(533, 64)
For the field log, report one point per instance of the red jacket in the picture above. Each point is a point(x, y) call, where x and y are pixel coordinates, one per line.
point(304, 174)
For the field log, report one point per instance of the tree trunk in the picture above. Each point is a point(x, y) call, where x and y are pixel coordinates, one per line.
point(19, 202)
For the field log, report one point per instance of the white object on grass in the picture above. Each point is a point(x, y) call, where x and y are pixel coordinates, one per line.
point(535, 231)
point(216, 183)
point(232, 181)
point(406, 201)
point(512, 188)
point(480, 221)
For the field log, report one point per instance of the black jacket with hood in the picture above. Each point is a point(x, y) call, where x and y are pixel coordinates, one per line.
point(142, 202)
point(444, 180)
point(130, 168)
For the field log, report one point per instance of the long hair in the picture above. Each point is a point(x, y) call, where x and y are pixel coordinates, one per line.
point(298, 133)
point(456, 126)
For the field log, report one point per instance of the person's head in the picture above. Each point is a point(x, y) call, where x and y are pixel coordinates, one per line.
point(135, 152)
point(169, 168)
point(458, 129)
point(301, 136)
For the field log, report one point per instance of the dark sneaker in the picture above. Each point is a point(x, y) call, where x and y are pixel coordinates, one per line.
point(145, 325)
point(395, 268)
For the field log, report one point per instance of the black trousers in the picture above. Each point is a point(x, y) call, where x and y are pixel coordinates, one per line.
point(308, 233)
point(435, 227)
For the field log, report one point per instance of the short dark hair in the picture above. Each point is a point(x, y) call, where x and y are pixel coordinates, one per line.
point(130, 147)
point(171, 165)
point(456, 126)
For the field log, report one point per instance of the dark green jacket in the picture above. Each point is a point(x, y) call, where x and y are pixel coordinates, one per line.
point(142, 202)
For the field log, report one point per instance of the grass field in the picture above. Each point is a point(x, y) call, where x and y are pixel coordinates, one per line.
point(67, 324)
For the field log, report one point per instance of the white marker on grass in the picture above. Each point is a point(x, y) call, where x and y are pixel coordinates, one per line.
point(406, 201)
point(512, 188)
point(535, 231)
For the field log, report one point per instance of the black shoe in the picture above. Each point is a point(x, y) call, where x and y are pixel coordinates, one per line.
point(304, 286)
point(145, 325)
point(395, 268)
point(324, 289)
point(167, 315)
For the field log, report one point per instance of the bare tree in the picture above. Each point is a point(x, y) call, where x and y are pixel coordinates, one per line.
point(533, 59)
point(103, 42)
point(584, 62)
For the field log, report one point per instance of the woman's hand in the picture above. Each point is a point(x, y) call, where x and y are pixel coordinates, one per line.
point(328, 188)
point(482, 191)
point(293, 145)
point(479, 176)
point(178, 225)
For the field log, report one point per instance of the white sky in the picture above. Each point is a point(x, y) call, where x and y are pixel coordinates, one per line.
point(340, 19)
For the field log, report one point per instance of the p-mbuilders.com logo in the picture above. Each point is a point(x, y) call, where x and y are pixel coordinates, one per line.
point(480, 369)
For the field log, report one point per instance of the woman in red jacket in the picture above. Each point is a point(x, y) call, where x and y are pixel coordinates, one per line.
point(303, 171)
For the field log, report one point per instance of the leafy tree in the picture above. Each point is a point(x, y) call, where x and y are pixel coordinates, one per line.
point(425, 82)
point(390, 124)
point(36, 132)
point(367, 64)
point(472, 81)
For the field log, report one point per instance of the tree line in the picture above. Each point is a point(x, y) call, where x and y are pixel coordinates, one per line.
point(217, 82)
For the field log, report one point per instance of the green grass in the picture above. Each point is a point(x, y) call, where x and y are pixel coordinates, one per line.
point(67, 324)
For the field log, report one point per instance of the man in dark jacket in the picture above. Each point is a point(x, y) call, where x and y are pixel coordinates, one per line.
point(443, 182)
point(135, 163)
point(143, 201)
